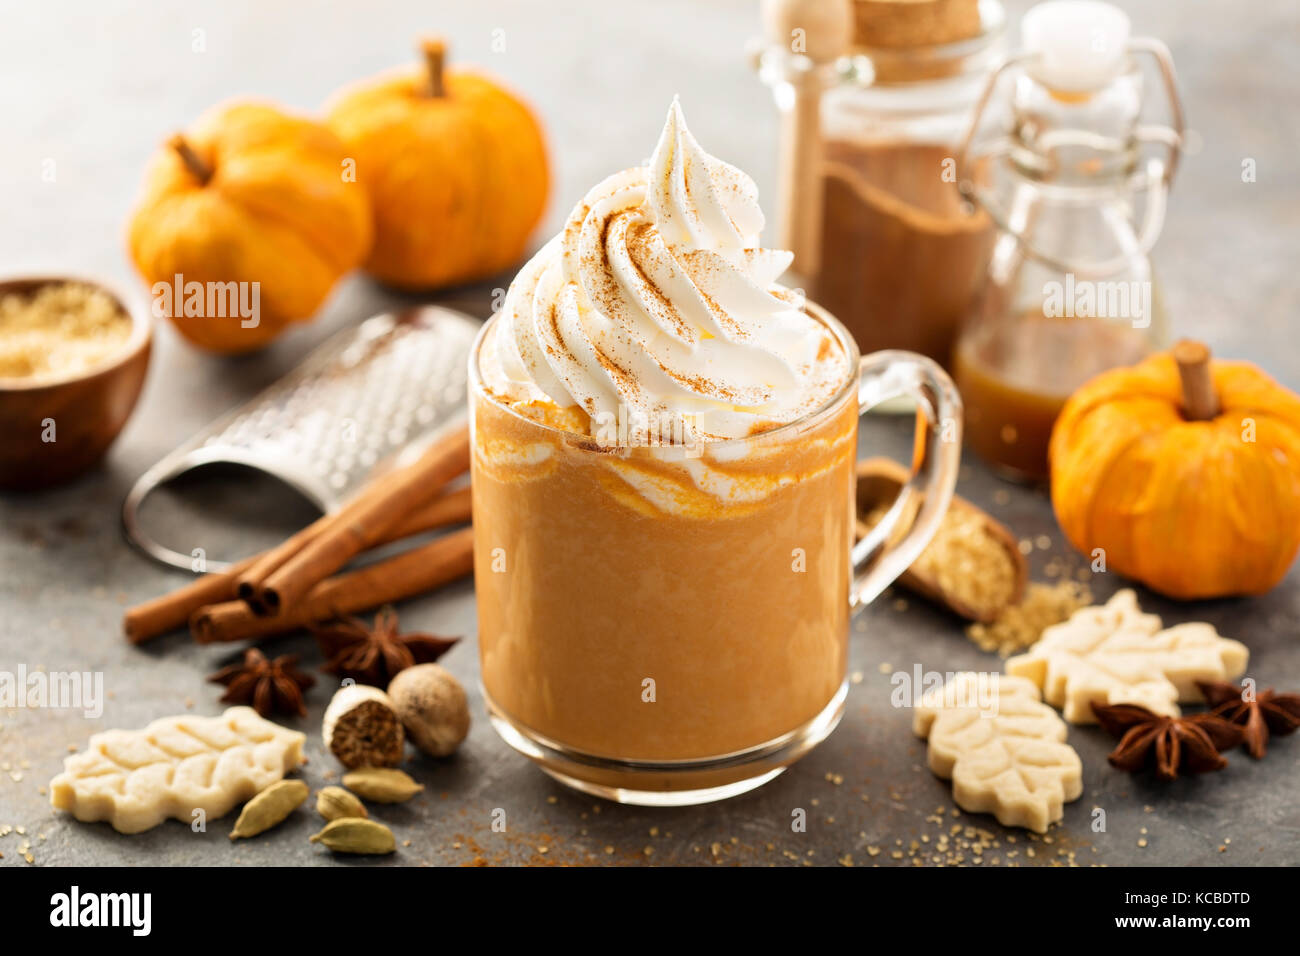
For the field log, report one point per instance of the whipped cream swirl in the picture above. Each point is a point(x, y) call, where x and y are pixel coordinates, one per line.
point(656, 302)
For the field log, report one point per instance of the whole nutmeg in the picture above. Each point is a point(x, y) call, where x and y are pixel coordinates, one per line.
point(432, 707)
point(362, 728)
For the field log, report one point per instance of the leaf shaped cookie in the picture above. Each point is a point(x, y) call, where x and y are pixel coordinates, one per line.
point(1116, 654)
point(1002, 747)
point(135, 779)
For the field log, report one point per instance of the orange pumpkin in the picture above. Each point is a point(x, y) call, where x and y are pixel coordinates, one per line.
point(248, 195)
point(455, 167)
point(1185, 472)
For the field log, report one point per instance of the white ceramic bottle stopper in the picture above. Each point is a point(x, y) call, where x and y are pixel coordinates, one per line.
point(1082, 45)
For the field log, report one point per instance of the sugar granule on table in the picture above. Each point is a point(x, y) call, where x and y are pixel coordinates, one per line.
point(1021, 625)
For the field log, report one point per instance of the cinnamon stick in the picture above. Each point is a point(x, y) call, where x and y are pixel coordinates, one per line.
point(171, 611)
point(450, 507)
point(1199, 401)
point(256, 569)
point(414, 572)
point(251, 578)
point(355, 529)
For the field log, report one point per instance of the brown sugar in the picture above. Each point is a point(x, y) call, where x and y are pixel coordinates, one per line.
point(967, 561)
point(64, 328)
point(1021, 625)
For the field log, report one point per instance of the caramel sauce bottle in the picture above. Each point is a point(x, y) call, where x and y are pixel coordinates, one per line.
point(1069, 291)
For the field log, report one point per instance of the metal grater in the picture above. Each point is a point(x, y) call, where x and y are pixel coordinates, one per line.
point(363, 402)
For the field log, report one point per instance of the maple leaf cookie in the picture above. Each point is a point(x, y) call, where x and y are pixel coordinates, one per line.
point(1002, 747)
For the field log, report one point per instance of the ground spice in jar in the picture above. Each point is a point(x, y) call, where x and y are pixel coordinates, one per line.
point(894, 24)
point(1021, 625)
point(61, 329)
point(902, 257)
point(966, 561)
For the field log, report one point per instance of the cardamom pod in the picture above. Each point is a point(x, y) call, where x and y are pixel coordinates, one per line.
point(356, 835)
point(335, 803)
point(269, 807)
point(381, 784)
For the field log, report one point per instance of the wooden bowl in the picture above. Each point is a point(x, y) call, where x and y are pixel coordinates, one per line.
point(86, 410)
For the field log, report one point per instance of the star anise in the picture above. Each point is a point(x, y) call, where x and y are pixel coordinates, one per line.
point(271, 686)
point(1265, 714)
point(1190, 744)
point(374, 655)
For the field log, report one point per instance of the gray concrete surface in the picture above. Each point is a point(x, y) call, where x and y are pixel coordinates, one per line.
point(95, 86)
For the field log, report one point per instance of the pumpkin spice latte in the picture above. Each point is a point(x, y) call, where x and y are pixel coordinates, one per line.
point(663, 443)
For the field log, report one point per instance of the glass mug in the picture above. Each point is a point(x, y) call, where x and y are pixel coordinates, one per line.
point(668, 624)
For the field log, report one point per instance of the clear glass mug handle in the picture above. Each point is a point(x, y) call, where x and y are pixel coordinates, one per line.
point(878, 559)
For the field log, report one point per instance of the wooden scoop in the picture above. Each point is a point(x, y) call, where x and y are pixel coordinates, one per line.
point(879, 481)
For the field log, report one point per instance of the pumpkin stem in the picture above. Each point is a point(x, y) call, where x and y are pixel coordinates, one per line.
point(201, 170)
point(1199, 401)
point(435, 53)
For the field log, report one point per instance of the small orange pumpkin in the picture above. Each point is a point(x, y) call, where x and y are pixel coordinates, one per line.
point(248, 195)
point(1185, 472)
point(456, 170)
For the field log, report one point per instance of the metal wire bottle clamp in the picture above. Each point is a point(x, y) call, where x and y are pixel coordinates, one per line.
point(1153, 176)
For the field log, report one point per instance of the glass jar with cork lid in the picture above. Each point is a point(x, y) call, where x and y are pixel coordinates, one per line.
point(875, 96)
point(1070, 291)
